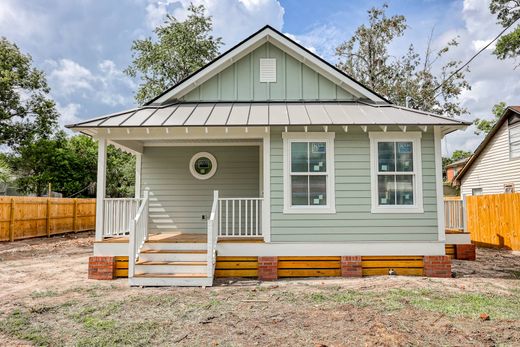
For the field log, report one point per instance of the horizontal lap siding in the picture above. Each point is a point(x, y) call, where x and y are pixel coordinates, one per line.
point(353, 220)
point(493, 168)
point(178, 200)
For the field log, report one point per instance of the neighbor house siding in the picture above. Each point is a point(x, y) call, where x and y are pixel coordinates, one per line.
point(178, 200)
point(353, 220)
point(493, 167)
point(241, 81)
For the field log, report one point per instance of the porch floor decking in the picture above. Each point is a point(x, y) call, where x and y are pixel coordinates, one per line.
point(180, 237)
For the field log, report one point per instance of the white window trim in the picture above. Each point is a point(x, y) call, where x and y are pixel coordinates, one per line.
point(509, 127)
point(328, 138)
point(213, 170)
point(415, 138)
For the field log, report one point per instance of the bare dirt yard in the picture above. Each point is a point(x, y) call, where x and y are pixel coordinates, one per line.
point(46, 299)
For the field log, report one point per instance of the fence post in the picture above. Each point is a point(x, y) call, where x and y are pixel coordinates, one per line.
point(75, 216)
point(11, 221)
point(48, 220)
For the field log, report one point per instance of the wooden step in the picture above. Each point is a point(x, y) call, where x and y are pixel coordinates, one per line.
point(187, 263)
point(162, 251)
point(150, 275)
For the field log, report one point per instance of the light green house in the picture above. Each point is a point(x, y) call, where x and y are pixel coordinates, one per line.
point(269, 152)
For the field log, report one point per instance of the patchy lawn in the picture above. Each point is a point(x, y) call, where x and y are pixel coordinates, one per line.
point(46, 299)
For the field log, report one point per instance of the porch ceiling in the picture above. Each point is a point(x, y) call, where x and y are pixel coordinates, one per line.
point(222, 114)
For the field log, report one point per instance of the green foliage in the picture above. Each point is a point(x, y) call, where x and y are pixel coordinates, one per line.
point(460, 154)
point(366, 57)
point(70, 165)
point(6, 174)
point(181, 48)
point(507, 11)
point(26, 111)
point(485, 125)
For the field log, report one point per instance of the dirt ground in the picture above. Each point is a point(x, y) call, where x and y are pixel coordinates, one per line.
point(46, 299)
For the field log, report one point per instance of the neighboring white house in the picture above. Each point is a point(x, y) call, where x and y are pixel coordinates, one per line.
point(495, 166)
point(270, 162)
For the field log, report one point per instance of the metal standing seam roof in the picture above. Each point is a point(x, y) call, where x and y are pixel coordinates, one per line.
point(267, 114)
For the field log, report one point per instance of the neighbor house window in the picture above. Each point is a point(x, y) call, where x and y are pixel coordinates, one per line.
point(308, 172)
point(396, 175)
point(476, 191)
point(514, 139)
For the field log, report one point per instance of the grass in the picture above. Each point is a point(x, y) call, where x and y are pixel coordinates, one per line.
point(157, 318)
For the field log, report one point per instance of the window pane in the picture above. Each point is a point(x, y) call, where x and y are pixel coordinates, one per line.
point(404, 156)
point(385, 152)
point(318, 190)
point(515, 150)
point(386, 189)
point(404, 189)
point(299, 190)
point(317, 153)
point(299, 157)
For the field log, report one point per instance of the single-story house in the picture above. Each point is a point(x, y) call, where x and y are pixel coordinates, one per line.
point(495, 166)
point(453, 169)
point(270, 162)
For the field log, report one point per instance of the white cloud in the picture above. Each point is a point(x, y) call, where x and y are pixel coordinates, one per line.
point(322, 40)
point(17, 22)
point(68, 77)
point(108, 84)
point(68, 113)
point(233, 20)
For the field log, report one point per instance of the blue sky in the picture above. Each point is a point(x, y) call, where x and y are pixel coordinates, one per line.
point(84, 45)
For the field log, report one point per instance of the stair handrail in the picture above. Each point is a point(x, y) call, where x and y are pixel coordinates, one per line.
point(138, 234)
point(212, 236)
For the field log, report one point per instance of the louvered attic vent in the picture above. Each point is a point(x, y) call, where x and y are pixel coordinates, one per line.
point(267, 70)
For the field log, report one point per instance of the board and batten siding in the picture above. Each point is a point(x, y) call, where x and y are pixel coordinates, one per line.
point(294, 81)
point(493, 167)
point(178, 200)
point(353, 220)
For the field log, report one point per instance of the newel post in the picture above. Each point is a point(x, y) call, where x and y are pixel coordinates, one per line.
point(101, 187)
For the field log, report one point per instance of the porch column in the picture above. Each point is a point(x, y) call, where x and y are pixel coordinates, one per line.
point(101, 185)
point(138, 157)
point(266, 203)
point(438, 184)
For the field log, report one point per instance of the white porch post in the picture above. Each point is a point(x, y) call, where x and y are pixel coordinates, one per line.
point(101, 187)
point(438, 184)
point(138, 158)
point(266, 203)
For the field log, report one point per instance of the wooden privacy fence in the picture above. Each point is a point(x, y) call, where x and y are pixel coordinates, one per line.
point(494, 220)
point(25, 217)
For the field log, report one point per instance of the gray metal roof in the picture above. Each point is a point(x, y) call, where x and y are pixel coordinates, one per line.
point(267, 114)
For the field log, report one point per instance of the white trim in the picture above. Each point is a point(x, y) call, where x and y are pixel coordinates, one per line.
point(138, 170)
point(331, 248)
point(101, 185)
point(285, 45)
point(201, 143)
point(328, 138)
point(438, 184)
point(211, 172)
point(415, 138)
point(458, 239)
point(266, 185)
point(303, 249)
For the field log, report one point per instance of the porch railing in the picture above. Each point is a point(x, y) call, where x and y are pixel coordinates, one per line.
point(118, 213)
point(240, 217)
point(453, 214)
point(138, 234)
point(213, 231)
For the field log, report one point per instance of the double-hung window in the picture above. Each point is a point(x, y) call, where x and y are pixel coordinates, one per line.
point(396, 175)
point(309, 172)
point(514, 137)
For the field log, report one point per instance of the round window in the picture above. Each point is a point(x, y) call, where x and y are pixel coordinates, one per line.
point(203, 165)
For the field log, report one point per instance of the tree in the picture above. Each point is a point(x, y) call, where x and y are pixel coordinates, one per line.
point(485, 125)
point(508, 12)
point(6, 174)
point(26, 111)
point(408, 79)
point(460, 154)
point(181, 48)
point(70, 165)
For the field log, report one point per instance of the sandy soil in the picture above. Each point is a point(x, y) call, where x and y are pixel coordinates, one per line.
point(53, 273)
